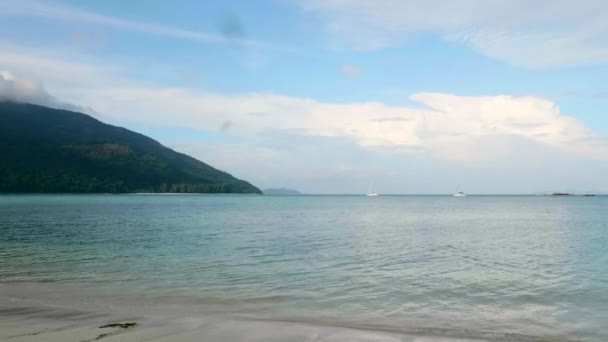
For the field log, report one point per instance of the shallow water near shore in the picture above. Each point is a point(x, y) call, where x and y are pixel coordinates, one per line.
point(515, 268)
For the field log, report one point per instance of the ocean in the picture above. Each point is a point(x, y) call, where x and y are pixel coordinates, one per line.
point(504, 268)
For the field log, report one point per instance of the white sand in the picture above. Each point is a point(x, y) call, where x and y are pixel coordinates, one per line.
point(33, 312)
point(24, 329)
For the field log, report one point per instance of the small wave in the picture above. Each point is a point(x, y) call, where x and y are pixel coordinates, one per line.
point(482, 335)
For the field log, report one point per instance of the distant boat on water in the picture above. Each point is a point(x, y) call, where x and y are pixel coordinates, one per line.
point(371, 193)
point(459, 193)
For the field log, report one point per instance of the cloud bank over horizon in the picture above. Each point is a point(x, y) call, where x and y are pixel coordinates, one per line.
point(444, 131)
point(446, 125)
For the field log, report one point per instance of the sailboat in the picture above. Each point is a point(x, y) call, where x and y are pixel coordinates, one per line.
point(459, 193)
point(370, 193)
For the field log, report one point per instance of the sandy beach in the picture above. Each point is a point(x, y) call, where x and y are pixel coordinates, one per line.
point(40, 312)
point(31, 312)
point(28, 324)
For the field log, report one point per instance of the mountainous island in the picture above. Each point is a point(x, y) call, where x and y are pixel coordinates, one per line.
point(46, 150)
point(281, 191)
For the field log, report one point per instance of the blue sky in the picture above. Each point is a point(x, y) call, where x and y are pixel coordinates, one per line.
point(323, 96)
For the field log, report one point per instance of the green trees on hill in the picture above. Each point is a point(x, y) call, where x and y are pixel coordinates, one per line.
point(24, 182)
point(50, 150)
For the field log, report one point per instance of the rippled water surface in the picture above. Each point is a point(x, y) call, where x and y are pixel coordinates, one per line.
point(519, 268)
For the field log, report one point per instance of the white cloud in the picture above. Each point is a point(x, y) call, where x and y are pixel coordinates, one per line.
point(528, 33)
point(65, 13)
point(446, 125)
point(331, 165)
point(30, 91)
point(59, 69)
point(12, 89)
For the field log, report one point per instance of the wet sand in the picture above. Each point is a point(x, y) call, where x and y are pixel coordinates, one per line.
point(20, 323)
point(40, 324)
point(44, 312)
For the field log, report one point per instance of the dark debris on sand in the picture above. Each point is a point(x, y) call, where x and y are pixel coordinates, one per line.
point(126, 325)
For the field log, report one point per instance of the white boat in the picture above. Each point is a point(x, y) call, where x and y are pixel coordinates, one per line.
point(459, 193)
point(371, 193)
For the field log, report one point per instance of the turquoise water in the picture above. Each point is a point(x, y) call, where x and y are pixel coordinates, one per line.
point(498, 267)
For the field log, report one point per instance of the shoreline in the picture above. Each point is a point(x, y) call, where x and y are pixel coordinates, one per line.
point(47, 312)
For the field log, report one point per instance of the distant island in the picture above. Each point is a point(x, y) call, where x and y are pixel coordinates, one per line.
point(46, 150)
point(281, 191)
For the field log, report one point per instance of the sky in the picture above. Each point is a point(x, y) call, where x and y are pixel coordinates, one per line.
point(328, 96)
